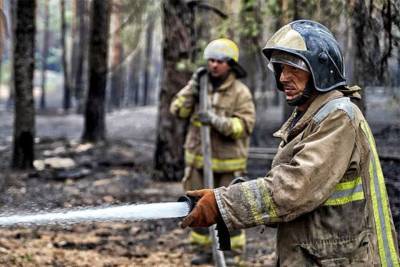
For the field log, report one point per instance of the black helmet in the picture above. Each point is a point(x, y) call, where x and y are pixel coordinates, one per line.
point(316, 46)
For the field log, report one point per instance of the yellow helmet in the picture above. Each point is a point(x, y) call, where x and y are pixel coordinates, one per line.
point(225, 49)
point(222, 49)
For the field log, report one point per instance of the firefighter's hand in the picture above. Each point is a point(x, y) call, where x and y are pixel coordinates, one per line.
point(195, 80)
point(205, 213)
point(210, 118)
point(205, 117)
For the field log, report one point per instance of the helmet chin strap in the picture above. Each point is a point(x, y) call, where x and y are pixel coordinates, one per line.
point(306, 95)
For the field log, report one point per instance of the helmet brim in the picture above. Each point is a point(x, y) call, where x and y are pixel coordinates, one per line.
point(237, 69)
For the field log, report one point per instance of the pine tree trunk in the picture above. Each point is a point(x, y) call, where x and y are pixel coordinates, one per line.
point(171, 131)
point(13, 22)
point(67, 88)
point(3, 27)
point(45, 49)
point(147, 59)
point(75, 46)
point(94, 126)
point(24, 121)
point(116, 82)
point(81, 56)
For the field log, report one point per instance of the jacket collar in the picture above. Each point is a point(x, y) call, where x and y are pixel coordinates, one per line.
point(226, 84)
point(286, 132)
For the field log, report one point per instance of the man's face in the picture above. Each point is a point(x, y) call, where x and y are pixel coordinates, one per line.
point(293, 80)
point(218, 68)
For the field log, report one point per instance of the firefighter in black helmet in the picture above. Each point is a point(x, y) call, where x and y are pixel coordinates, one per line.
point(325, 191)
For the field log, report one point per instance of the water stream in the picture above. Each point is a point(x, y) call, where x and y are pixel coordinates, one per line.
point(99, 214)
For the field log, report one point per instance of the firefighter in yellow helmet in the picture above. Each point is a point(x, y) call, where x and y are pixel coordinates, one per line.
point(231, 117)
point(325, 191)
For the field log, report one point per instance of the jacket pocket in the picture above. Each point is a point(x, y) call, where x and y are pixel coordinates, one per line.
point(352, 251)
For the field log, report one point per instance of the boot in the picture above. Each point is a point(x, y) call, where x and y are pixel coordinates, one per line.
point(232, 259)
point(202, 258)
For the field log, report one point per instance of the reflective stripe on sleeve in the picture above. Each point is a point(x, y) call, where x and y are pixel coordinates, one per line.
point(259, 198)
point(380, 205)
point(346, 192)
point(266, 196)
point(183, 111)
point(217, 164)
point(237, 128)
point(252, 200)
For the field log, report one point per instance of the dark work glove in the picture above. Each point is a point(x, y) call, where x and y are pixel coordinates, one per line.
point(196, 80)
point(205, 117)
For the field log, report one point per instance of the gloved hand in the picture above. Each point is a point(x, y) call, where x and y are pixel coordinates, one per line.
point(205, 213)
point(219, 123)
point(196, 80)
point(206, 117)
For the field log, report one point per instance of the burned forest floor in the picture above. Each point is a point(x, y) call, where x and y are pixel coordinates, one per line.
point(70, 174)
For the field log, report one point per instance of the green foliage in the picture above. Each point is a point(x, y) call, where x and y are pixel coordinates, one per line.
point(133, 15)
point(251, 24)
point(274, 8)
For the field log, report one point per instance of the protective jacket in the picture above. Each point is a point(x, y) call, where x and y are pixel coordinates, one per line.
point(325, 191)
point(229, 144)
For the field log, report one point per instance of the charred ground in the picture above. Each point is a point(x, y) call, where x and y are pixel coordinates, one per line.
point(70, 174)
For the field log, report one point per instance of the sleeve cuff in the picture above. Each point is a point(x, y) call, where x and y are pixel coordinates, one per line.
point(224, 215)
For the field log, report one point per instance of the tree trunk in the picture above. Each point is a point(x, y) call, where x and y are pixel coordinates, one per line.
point(147, 58)
point(81, 56)
point(171, 131)
point(75, 46)
point(94, 126)
point(45, 49)
point(24, 121)
point(13, 22)
point(67, 87)
point(3, 27)
point(116, 86)
point(134, 80)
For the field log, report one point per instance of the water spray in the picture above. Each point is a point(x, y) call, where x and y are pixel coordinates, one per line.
point(138, 212)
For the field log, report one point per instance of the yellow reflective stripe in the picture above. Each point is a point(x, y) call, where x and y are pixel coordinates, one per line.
point(250, 197)
point(349, 184)
point(199, 239)
point(380, 204)
point(217, 164)
point(179, 101)
point(269, 204)
point(183, 111)
point(345, 200)
point(196, 123)
point(237, 128)
point(238, 241)
point(346, 192)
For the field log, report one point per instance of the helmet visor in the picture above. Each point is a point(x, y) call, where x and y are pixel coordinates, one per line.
point(278, 57)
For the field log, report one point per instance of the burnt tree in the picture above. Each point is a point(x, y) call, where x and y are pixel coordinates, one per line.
point(24, 113)
point(94, 125)
point(177, 47)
